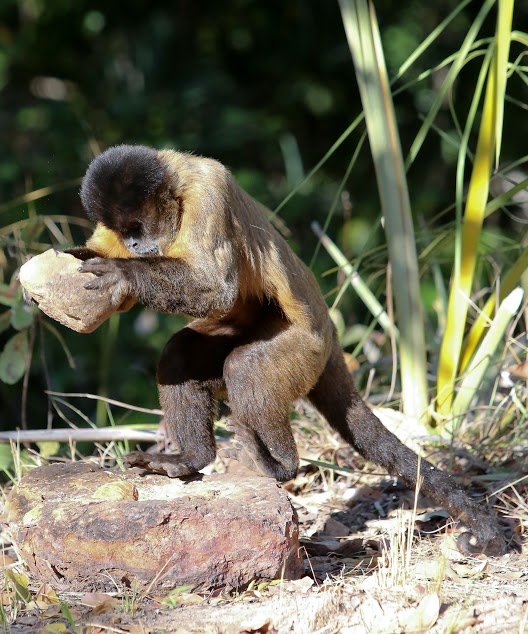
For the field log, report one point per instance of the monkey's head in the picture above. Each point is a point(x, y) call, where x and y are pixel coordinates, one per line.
point(132, 191)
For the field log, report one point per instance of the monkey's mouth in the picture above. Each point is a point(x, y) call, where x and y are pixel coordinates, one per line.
point(145, 251)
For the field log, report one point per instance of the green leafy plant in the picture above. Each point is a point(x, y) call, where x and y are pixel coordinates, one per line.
point(377, 98)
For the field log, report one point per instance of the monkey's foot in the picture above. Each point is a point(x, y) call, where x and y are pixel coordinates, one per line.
point(489, 541)
point(171, 465)
point(239, 452)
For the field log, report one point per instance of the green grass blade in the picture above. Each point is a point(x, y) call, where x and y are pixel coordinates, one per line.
point(520, 36)
point(430, 39)
point(447, 85)
point(510, 281)
point(480, 362)
point(339, 191)
point(342, 138)
point(365, 45)
point(363, 291)
point(477, 197)
point(501, 200)
point(504, 24)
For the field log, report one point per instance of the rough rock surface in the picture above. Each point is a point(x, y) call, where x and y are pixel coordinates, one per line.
point(85, 528)
point(53, 281)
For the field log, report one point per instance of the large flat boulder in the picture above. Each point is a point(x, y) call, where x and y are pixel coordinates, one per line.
point(86, 528)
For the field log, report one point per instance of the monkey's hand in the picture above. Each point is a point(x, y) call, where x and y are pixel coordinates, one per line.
point(111, 273)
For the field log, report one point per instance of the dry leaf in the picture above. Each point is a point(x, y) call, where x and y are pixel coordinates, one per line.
point(179, 597)
point(100, 602)
point(136, 629)
point(448, 547)
point(300, 585)
point(469, 570)
point(105, 606)
point(51, 612)
point(46, 595)
point(6, 561)
point(56, 628)
point(92, 599)
point(431, 569)
point(189, 598)
point(422, 618)
point(520, 369)
point(432, 515)
point(335, 529)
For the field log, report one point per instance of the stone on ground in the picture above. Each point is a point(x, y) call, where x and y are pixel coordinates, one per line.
point(84, 528)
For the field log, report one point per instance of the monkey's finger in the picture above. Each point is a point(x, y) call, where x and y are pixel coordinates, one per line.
point(97, 266)
point(99, 283)
point(94, 261)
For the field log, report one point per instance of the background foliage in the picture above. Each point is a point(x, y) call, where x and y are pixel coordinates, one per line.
point(264, 87)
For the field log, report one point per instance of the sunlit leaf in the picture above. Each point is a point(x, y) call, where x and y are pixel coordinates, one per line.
point(48, 448)
point(6, 457)
point(13, 358)
point(5, 320)
point(10, 293)
point(22, 316)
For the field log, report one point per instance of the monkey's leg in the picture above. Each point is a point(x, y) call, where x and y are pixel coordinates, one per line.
point(335, 396)
point(189, 373)
point(263, 378)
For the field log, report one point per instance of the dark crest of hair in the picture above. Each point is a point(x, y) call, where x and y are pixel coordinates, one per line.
point(123, 176)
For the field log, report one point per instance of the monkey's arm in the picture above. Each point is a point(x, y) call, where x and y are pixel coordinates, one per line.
point(169, 285)
point(82, 253)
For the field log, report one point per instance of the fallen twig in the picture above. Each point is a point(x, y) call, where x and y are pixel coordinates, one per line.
point(81, 435)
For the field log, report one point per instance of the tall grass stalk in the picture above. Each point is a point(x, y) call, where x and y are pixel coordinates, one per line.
point(363, 36)
point(510, 280)
point(482, 359)
point(490, 131)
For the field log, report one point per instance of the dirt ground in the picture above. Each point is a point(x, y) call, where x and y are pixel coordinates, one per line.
point(363, 572)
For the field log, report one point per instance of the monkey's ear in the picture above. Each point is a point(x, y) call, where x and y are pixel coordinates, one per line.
point(176, 197)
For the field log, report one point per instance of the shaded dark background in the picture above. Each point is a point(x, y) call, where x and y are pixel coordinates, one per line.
point(265, 87)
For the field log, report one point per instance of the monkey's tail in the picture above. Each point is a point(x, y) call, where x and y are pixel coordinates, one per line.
point(336, 397)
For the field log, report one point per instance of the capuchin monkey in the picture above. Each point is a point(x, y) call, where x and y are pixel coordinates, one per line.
point(176, 233)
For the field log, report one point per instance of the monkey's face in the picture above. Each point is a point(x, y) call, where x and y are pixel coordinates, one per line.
point(138, 241)
point(150, 230)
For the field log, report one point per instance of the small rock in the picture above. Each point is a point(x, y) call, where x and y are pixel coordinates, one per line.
point(53, 281)
point(75, 532)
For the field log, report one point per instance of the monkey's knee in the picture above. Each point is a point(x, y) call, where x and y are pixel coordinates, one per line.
point(254, 383)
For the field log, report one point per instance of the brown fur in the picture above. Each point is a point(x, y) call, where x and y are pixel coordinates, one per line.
point(187, 239)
